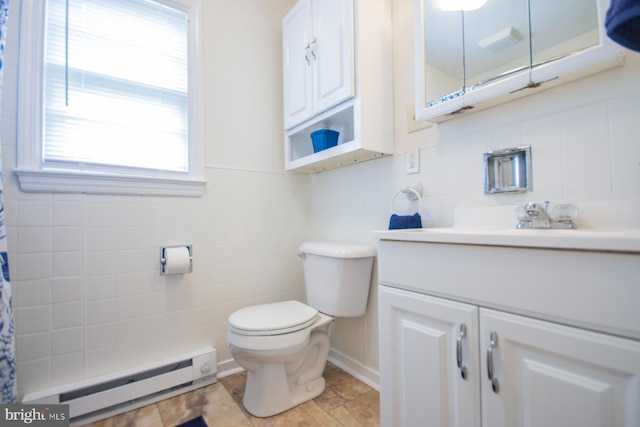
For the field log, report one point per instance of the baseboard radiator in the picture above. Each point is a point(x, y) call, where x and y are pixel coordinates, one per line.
point(120, 392)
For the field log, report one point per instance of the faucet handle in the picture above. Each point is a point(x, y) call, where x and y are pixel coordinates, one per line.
point(564, 212)
point(522, 214)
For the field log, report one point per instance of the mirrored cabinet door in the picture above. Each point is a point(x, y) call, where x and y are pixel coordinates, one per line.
point(562, 28)
point(441, 45)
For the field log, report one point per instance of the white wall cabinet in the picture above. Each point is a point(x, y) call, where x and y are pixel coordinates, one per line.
point(317, 39)
point(547, 369)
point(337, 75)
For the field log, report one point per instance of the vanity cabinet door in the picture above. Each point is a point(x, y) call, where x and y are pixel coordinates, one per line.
point(550, 375)
point(318, 58)
point(420, 381)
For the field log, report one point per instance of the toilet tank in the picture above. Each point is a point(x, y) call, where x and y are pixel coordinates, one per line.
point(337, 277)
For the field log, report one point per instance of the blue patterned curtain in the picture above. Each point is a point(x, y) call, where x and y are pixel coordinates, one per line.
point(8, 390)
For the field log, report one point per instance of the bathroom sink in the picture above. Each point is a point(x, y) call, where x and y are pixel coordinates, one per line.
point(610, 241)
point(602, 226)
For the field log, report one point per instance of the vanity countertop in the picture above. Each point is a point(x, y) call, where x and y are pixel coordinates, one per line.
point(609, 226)
point(591, 240)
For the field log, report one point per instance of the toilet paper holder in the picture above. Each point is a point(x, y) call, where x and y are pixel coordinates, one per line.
point(163, 257)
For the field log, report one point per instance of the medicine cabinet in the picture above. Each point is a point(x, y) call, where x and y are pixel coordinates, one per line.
point(467, 60)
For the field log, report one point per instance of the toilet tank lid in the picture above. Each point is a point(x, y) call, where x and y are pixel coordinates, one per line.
point(337, 250)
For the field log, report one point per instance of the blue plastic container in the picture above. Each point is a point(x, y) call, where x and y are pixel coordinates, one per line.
point(323, 139)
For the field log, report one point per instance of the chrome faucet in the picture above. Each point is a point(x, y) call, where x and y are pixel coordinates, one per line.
point(534, 215)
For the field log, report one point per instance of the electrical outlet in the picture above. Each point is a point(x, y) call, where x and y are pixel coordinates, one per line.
point(412, 125)
point(413, 162)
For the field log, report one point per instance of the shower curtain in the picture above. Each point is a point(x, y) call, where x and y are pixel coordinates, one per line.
point(8, 388)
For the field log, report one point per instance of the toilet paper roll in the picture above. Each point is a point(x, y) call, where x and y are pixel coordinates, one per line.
point(177, 260)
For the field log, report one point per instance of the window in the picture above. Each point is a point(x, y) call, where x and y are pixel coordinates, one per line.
point(110, 102)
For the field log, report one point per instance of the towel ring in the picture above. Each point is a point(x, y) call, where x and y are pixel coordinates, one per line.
point(413, 192)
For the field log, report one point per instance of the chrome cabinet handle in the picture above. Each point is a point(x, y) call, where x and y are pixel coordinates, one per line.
point(306, 54)
point(462, 335)
point(493, 343)
point(313, 49)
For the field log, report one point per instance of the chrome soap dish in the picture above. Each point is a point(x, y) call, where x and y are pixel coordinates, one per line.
point(508, 170)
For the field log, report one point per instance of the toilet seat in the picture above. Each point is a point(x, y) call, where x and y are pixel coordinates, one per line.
point(272, 319)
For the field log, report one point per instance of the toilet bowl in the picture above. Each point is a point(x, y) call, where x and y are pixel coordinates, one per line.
point(286, 368)
point(284, 345)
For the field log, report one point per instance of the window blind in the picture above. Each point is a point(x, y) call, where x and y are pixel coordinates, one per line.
point(116, 85)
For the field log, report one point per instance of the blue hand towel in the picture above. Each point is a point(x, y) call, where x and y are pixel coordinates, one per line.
point(623, 23)
point(398, 222)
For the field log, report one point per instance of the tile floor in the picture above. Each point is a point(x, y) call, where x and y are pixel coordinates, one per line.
point(346, 401)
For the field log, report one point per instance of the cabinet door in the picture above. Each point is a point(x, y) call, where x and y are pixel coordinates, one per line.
point(551, 375)
point(297, 87)
point(420, 382)
point(332, 53)
point(318, 58)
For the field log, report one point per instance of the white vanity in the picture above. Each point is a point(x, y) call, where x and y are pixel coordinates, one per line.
point(509, 328)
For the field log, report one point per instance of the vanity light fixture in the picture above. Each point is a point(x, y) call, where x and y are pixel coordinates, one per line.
point(466, 5)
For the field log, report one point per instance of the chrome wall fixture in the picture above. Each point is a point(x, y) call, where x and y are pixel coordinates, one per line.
point(508, 170)
point(176, 259)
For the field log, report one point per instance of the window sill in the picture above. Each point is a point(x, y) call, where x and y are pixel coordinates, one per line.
point(49, 181)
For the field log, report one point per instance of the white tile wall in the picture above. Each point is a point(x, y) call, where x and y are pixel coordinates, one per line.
point(89, 295)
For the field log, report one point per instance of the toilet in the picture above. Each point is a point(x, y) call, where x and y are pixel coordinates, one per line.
point(284, 345)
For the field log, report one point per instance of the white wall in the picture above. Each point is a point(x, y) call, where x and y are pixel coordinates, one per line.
point(88, 295)
point(585, 144)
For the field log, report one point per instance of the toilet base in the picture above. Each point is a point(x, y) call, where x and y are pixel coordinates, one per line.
point(277, 385)
point(267, 392)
